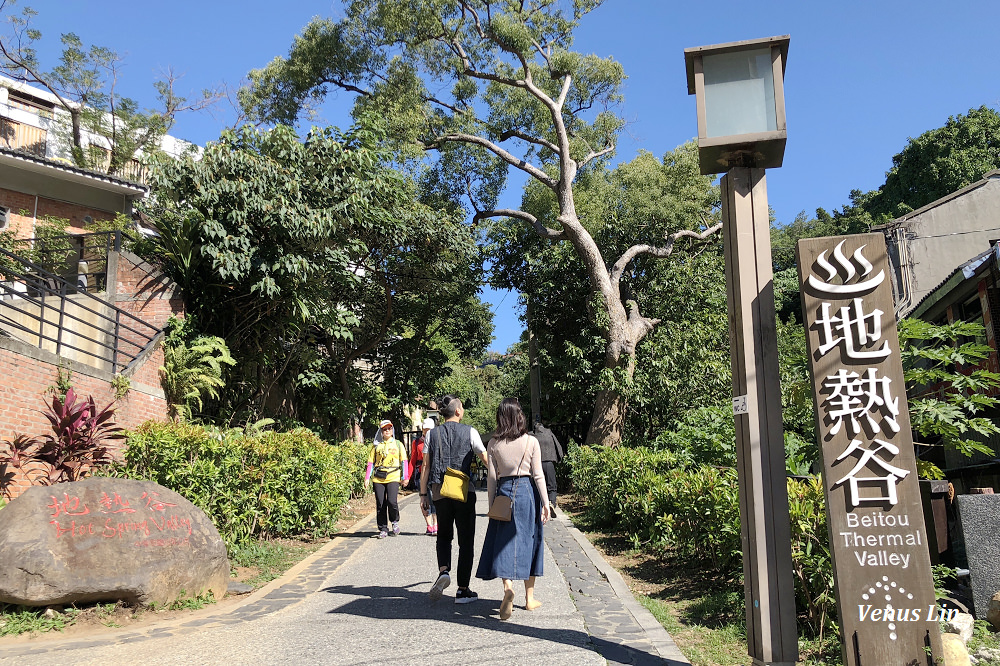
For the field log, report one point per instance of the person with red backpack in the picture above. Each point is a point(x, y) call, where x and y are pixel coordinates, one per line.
point(417, 458)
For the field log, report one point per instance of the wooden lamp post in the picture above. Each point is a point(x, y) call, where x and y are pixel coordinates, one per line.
point(741, 132)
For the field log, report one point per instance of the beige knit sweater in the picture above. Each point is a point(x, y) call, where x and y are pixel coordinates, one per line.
point(509, 458)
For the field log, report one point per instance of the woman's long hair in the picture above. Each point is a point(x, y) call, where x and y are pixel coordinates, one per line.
point(511, 423)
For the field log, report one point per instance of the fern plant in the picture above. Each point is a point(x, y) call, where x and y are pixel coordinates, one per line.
point(192, 368)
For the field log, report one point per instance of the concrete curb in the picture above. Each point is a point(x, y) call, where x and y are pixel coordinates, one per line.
point(658, 636)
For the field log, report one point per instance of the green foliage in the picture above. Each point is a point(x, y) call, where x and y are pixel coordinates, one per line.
point(63, 383)
point(270, 558)
point(691, 514)
point(121, 385)
point(476, 88)
point(270, 485)
point(185, 602)
point(317, 265)
point(947, 382)
point(705, 436)
point(812, 564)
point(983, 636)
point(10, 242)
point(944, 577)
point(939, 162)
point(192, 367)
point(16, 620)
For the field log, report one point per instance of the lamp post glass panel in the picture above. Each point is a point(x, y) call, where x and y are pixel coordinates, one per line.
point(741, 103)
point(739, 93)
point(741, 131)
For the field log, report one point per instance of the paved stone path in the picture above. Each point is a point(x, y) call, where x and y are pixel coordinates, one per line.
point(360, 600)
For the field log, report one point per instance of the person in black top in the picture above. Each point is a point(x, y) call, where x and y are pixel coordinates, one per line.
point(552, 452)
point(452, 444)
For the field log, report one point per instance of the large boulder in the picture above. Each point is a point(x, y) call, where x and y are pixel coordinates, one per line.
point(993, 611)
point(107, 539)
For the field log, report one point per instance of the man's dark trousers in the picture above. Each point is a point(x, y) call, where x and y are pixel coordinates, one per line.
point(549, 471)
point(461, 516)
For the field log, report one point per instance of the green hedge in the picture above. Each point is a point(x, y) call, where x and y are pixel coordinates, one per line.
point(268, 485)
point(692, 514)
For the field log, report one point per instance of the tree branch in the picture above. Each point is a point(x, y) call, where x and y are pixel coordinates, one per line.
point(538, 141)
point(594, 154)
point(362, 349)
point(507, 157)
point(539, 228)
point(658, 252)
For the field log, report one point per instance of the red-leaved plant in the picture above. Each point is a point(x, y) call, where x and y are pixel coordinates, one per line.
point(77, 444)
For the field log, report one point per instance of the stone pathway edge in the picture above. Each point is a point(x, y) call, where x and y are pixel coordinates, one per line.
point(206, 615)
point(657, 634)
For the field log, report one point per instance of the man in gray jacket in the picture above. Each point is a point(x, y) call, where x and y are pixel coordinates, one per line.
point(552, 452)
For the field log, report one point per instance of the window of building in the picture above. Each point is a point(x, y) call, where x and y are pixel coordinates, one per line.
point(18, 136)
point(22, 100)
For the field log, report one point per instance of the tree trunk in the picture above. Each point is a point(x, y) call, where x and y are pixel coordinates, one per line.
point(606, 424)
point(609, 407)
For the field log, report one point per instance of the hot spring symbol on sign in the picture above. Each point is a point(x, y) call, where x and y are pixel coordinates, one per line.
point(861, 287)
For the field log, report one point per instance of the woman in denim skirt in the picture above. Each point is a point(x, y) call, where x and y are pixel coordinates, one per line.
point(515, 549)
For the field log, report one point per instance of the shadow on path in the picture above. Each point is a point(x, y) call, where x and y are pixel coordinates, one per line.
point(407, 604)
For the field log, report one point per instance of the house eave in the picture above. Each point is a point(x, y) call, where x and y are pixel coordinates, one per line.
point(68, 173)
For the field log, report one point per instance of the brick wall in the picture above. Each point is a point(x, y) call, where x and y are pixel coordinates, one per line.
point(28, 372)
point(23, 212)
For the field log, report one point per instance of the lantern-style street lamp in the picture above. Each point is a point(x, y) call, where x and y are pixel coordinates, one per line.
point(741, 131)
point(741, 103)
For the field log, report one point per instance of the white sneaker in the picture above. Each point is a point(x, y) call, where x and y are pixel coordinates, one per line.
point(443, 581)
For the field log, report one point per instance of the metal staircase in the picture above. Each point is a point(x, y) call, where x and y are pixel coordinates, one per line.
point(60, 314)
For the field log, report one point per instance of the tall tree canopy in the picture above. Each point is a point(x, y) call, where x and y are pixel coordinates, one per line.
point(683, 363)
point(320, 269)
point(488, 86)
point(939, 162)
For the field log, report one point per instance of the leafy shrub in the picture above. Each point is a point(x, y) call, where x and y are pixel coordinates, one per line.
point(267, 485)
point(192, 367)
point(706, 435)
point(692, 515)
point(599, 474)
point(812, 565)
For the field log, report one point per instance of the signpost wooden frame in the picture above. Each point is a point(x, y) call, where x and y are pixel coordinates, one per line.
point(878, 542)
point(772, 637)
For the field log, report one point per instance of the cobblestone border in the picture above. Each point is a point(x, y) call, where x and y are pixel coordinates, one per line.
point(621, 629)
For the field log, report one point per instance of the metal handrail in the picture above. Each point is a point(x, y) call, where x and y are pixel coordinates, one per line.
point(80, 245)
point(37, 283)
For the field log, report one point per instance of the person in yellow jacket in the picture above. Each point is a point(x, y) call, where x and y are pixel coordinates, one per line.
point(387, 466)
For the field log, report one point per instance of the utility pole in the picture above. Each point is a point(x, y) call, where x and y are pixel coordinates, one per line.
point(534, 372)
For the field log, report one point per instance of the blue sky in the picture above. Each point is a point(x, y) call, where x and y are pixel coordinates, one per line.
point(862, 75)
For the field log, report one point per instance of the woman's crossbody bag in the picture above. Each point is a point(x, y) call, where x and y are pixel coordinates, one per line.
point(502, 507)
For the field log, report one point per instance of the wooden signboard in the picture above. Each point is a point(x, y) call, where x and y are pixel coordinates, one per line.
point(882, 570)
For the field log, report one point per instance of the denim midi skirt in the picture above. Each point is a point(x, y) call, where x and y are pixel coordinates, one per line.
point(514, 549)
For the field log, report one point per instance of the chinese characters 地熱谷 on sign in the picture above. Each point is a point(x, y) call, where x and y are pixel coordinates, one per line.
point(885, 594)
